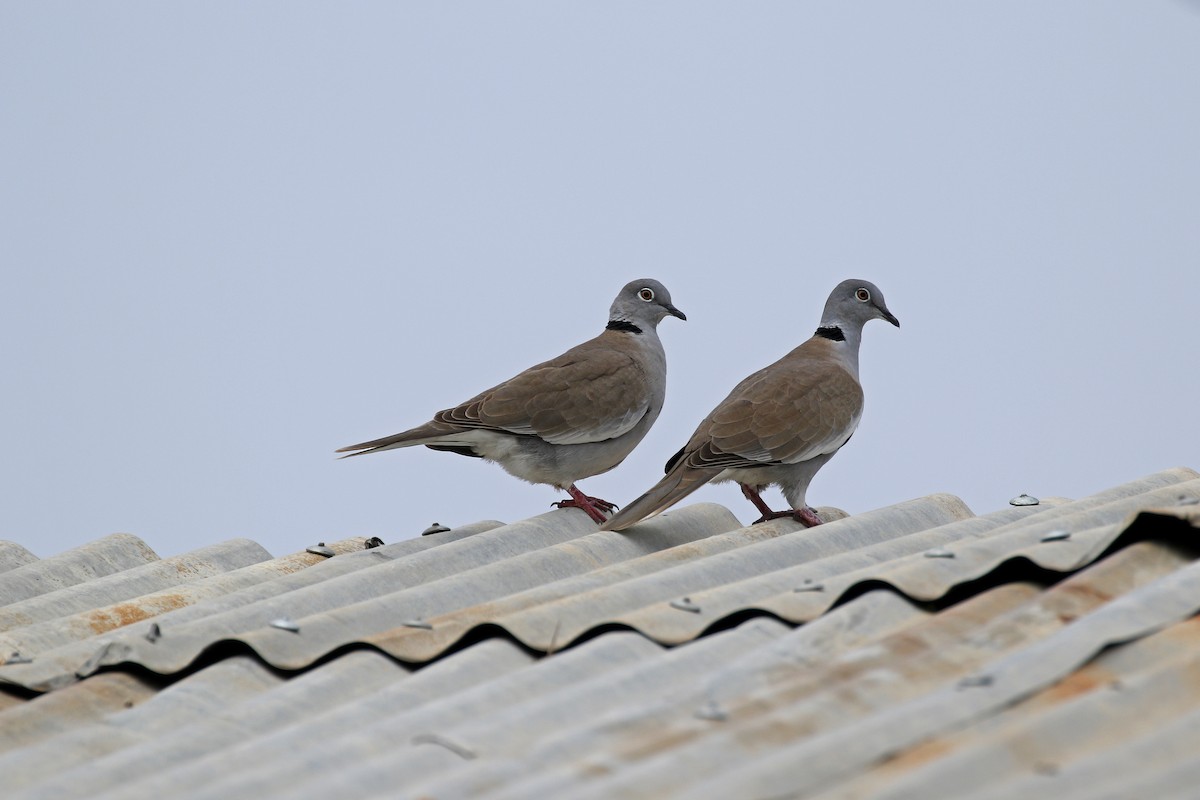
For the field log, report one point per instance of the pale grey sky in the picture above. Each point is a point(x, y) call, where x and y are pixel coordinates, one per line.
point(239, 235)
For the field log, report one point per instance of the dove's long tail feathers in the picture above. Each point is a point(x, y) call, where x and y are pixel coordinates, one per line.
point(677, 484)
point(429, 433)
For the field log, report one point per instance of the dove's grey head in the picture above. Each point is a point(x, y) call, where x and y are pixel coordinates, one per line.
point(852, 303)
point(642, 304)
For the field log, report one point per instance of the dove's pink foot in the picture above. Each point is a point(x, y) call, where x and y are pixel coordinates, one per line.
point(805, 516)
point(594, 507)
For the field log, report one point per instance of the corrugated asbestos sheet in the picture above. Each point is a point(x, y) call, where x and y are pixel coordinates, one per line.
point(915, 651)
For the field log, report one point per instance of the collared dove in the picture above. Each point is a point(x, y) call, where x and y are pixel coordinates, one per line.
point(568, 418)
point(781, 424)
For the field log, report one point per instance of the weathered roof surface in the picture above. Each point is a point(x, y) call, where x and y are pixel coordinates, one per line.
point(913, 651)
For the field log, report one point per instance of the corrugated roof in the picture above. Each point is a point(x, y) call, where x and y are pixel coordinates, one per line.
point(917, 650)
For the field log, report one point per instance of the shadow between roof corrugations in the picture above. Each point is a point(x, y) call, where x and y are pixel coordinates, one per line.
point(818, 693)
point(309, 711)
point(779, 575)
point(196, 576)
point(287, 704)
point(423, 737)
point(339, 612)
point(812, 763)
point(923, 575)
point(553, 615)
point(557, 614)
point(231, 681)
point(747, 707)
point(56, 713)
point(583, 752)
point(206, 598)
point(517, 740)
point(817, 722)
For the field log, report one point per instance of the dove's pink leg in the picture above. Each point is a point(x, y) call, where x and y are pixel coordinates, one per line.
point(751, 493)
point(805, 516)
point(591, 505)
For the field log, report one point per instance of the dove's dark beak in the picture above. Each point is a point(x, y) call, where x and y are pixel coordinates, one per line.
point(885, 314)
point(675, 312)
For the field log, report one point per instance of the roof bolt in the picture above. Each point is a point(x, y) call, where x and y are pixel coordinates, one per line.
point(416, 623)
point(154, 634)
point(1023, 500)
point(809, 586)
point(939, 552)
point(319, 549)
point(1184, 500)
point(107, 650)
point(436, 527)
point(285, 624)
point(17, 658)
point(685, 604)
point(711, 712)
point(459, 750)
point(1056, 536)
point(972, 681)
point(373, 542)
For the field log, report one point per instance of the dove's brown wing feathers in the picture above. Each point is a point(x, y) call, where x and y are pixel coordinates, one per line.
point(609, 394)
point(800, 407)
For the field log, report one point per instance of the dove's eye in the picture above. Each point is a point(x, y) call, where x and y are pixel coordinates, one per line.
point(646, 294)
point(863, 295)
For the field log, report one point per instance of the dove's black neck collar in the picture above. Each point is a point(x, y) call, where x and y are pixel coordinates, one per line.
point(622, 325)
point(832, 332)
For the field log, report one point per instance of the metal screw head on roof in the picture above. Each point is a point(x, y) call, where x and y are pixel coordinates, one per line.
point(1023, 500)
point(99, 657)
point(319, 549)
point(712, 712)
point(685, 604)
point(373, 542)
point(972, 681)
point(416, 623)
point(17, 658)
point(154, 633)
point(809, 586)
point(285, 624)
point(441, 741)
point(1056, 536)
point(436, 527)
point(939, 552)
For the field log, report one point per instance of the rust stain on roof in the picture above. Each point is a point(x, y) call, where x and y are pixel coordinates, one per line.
point(122, 614)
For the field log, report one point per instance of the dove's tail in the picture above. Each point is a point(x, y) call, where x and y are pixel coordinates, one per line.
point(680, 481)
point(433, 434)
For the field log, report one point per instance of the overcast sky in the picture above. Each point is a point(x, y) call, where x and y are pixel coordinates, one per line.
point(237, 236)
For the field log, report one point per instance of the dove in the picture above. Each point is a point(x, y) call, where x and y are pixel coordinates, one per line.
point(780, 425)
point(568, 418)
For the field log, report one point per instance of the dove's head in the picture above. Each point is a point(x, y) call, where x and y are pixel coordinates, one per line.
point(643, 303)
point(852, 303)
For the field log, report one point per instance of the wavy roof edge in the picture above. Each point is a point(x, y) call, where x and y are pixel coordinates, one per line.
point(1019, 549)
